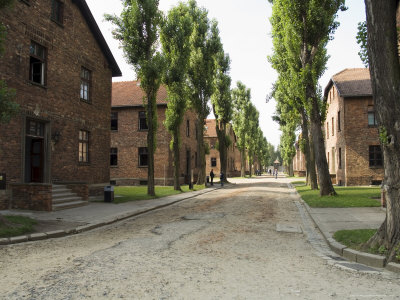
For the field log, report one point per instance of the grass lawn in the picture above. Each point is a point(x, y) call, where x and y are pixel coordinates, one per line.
point(133, 193)
point(347, 197)
point(354, 238)
point(19, 225)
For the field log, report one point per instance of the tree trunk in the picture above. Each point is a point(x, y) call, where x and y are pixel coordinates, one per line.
point(176, 153)
point(150, 144)
point(242, 163)
point(250, 166)
point(313, 171)
point(290, 168)
point(310, 163)
point(200, 146)
point(221, 133)
point(324, 178)
point(385, 78)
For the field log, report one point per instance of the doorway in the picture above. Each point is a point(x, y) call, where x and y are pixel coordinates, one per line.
point(34, 151)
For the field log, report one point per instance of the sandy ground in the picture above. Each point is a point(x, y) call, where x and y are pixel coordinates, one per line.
point(221, 245)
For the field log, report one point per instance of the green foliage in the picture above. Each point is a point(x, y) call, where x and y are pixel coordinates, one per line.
point(241, 113)
point(383, 136)
point(362, 40)
point(16, 225)
point(347, 197)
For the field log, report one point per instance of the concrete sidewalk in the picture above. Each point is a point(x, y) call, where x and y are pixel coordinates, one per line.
point(95, 214)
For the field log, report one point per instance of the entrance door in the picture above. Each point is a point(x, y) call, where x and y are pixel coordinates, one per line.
point(34, 151)
point(36, 155)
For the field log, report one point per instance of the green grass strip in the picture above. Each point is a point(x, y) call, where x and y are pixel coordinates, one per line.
point(347, 197)
point(354, 238)
point(19, 225)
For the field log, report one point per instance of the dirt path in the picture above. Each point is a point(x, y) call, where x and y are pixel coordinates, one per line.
point(221, 245)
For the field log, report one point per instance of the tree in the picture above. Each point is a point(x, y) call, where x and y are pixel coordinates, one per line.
point(252, 135)
point(241, 110)
point(8, 108)
point(137, 29)
point(307, 26)
point(384, 67)
point(204, 45)
point(362, 40)
point(175, 38)
point(222, 106)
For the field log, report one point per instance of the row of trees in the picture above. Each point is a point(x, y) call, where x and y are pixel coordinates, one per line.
point(301, 30)
point(183, 50)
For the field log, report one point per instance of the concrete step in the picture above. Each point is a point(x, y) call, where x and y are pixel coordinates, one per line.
point(67, 205)
point(66, 199)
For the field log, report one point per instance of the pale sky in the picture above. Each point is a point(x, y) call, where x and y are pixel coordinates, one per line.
point(245, 32)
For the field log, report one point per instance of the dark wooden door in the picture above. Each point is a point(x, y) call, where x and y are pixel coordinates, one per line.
point(36, 160)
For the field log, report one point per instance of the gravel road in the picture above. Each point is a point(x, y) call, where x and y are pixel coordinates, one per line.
point(220, 245)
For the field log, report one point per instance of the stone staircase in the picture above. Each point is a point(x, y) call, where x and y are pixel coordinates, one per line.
point(64, 198)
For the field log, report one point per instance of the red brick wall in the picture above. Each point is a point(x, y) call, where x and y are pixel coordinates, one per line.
point(31, 196)
point(354, 139)
point(128, 139)
point(69, 47)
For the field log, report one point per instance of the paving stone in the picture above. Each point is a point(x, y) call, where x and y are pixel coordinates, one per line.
point(37, 236)
point(350, 254)
point(18, 239)
point(393, 267)
point(371, 259)
point(290, 228)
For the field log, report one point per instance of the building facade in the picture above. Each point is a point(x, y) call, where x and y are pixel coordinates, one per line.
point(128, 153)
point(299, 162)
point(352, 141)
point(213, 159)
point(57, 61)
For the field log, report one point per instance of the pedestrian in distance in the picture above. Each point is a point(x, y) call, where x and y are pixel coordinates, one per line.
point(212, 176)
point(221, 177)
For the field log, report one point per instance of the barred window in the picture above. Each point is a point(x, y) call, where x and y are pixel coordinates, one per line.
point(375, 156)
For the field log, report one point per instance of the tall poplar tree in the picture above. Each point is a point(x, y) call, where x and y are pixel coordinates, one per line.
point(205, 44)
point(222, 106)
point(137, 29)
point(383, 58)
point(175, 40)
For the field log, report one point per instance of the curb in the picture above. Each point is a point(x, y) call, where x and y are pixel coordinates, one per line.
point(372, 260)
point(123, 216)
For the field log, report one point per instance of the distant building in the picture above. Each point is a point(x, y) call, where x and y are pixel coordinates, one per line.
point(213, 159)
point(352, 143)
point(128, 153)
point(299, 162)
point(61, 68)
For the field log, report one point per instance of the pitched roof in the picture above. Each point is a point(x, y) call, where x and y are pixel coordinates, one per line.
point(210, 128)
point(129, 93)
point(351, 83)
point(82, 5)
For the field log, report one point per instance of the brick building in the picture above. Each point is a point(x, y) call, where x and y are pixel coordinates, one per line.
point(213, 159)
point(128, 154)
point(61, 68)
point(352, 141)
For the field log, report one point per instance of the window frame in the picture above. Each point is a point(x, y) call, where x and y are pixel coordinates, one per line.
point(143, 149)
point(83, 139)
point(85, 82)
point(373, 162)
point(57, 11)
point(327, 130)
point(338, 121)
point(371, 111)
point(333, 126)
point(113, 157)
point(142, 116)
point(213, 162)
point(42, 59)
point(340, 158)
point(187, 128)
point(114, 119)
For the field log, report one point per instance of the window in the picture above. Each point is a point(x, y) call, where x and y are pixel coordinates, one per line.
point(83, 146)
point(114, 120)
point(371, 116)
point(327, 130)
point(338, 121)
point(340, 158)
point(37, 68)
point(375, 156)
point(213, 162)
point(143, 157)
point(187, 128)
point(57, 11)
point(114, 157)
point(333, 127)
point(85, 84)
point(142, 121)
point(34, 128)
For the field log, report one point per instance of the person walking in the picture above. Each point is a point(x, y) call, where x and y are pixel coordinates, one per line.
point(212, 176)
point(221, 177)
